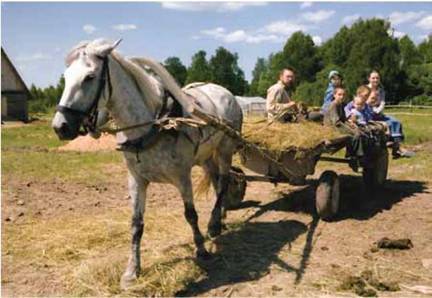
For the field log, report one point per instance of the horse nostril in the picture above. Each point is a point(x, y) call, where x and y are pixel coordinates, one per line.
point(62, 130)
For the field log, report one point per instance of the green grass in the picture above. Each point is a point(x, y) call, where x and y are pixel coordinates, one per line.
point(417, 128)
point(29, 152)
point(35, 135)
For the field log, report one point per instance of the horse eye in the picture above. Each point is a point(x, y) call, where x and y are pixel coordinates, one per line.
point(89, 78)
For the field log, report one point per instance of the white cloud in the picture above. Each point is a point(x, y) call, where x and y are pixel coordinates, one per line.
point(350, 19)
point(220, 33)
point(398, 17)
point(34, 57)
point(317, 40)
point(89, 29)
point(305, 4)
point(277, 31)
point(124, 27)
point(398, 34)
point(210, 6)
point(318, 16)
point(285, 28)
point(425, 23)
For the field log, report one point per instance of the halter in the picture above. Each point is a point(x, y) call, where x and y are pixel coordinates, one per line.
point(91, 114)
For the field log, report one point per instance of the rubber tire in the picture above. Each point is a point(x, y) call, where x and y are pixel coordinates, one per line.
point(327, 195)
point(376, 177)
point(236, 189)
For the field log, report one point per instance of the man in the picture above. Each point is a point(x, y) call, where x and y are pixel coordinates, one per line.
point(279, 98)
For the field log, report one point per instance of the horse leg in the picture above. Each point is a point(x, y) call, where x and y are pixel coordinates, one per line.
point(185, 188)
point(221, 180)
point(137, 192)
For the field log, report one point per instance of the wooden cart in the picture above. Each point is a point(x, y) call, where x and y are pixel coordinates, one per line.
point(292, 166)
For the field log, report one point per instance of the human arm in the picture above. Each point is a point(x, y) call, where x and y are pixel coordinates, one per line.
point(380, 107)
point(332, 116)
point(273, 101)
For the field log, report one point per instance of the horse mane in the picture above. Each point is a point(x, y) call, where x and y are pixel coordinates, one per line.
point(148, 89)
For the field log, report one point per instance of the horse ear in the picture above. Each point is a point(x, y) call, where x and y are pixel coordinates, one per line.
point(105, 50)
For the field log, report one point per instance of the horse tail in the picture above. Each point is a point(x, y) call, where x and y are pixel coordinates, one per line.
point(202, 185)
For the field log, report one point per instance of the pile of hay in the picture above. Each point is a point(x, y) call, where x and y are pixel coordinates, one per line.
point(106, 142)
point(276, 137)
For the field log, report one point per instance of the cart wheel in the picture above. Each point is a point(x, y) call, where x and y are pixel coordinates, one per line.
point(236, 188)
point(327, 195)
point(377, 175)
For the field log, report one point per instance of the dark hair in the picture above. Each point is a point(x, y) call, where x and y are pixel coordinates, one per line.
point(374, 71)
point(337, 88)
point(286, 68)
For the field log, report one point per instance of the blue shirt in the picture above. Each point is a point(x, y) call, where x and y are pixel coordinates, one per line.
point(367, 112)
point(328, 97)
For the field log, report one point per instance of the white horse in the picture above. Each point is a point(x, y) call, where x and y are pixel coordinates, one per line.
point(99, 81)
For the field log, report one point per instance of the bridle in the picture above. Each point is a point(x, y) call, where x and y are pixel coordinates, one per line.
point(90, 116)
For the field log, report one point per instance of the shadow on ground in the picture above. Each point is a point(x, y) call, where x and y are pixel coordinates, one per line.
point(356, 202)
point(245, 254)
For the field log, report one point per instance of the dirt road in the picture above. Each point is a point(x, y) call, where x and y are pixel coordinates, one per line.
point(274, 244)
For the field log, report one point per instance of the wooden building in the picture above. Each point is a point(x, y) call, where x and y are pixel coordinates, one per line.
point(14, 93)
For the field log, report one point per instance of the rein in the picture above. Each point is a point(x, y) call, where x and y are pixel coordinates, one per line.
point(91, 114)
point(165, 122)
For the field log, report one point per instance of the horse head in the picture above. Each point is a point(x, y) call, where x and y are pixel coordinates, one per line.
point(84, 98)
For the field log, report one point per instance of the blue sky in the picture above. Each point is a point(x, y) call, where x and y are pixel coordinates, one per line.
point(37, 35)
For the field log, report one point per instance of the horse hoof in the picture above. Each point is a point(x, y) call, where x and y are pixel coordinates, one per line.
point(204, 255)
point(127, 280)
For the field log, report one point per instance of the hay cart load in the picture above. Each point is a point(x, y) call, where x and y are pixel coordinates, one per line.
point(287, 153)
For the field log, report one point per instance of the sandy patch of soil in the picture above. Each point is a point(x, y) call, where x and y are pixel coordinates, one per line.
point(87, 143)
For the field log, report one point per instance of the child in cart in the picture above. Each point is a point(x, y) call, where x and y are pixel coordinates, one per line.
point(358, 111)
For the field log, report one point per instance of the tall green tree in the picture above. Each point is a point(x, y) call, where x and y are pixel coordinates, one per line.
point(425, 49)
point(301, 53)
point(337, 49)
point(410, 54)
point(176, 68)
point(276, 62)
point(260, 68)
point(373, 48)
point(199, 71)
point(226, 72)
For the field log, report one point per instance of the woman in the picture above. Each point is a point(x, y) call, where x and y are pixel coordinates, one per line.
point(394, 125)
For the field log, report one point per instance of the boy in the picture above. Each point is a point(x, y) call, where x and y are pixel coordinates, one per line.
point(334, 115)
